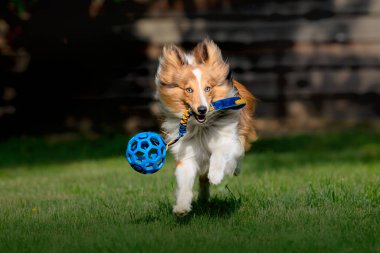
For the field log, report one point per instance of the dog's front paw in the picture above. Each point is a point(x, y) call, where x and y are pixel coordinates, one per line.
point(181, 210)
point(215, 176)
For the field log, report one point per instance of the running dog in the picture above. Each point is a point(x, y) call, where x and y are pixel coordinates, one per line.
point(215, 140)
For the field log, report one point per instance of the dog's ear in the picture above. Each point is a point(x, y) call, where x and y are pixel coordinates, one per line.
point(200, 52)
point(207, 52)
point(171, 61)
point(173, 56)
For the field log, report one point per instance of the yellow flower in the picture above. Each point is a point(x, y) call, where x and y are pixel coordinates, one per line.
point(34, 210)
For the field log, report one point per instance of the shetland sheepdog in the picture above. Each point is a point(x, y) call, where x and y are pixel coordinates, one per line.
point(215, 140)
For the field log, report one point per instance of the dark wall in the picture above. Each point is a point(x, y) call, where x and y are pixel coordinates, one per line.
point(90, 65)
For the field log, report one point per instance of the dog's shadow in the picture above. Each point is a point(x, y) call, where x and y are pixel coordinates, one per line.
point(214, 208)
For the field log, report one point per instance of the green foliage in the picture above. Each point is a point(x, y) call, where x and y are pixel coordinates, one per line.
point(305, 193)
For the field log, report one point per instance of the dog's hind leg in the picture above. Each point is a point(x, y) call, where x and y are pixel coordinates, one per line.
point(185, 174)
point(204, 188)
point(237, 169)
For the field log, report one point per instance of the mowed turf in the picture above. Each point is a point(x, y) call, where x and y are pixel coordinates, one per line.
point(310, 193)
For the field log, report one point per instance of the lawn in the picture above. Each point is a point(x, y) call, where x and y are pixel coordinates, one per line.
point(306, 193)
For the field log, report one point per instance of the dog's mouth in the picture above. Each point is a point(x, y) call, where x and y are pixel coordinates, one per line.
point(200, 118)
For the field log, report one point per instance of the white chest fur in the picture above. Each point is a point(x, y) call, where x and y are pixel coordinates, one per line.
point(218, 135)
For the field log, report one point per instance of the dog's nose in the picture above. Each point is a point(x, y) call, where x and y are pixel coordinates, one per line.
point(202, 109)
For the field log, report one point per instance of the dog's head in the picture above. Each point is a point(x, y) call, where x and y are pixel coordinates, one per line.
point(193, 79)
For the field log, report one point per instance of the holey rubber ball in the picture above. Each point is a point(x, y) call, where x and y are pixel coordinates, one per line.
point(146, 152)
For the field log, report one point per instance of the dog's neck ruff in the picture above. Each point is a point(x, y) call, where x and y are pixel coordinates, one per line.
point(231, 103)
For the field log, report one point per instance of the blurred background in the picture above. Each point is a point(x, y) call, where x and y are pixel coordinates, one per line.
point(88, 67)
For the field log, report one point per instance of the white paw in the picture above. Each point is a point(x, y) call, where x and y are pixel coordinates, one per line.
point(181, 210)
point(215, 176)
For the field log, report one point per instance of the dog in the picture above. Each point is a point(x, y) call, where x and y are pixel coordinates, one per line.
point(215, 141)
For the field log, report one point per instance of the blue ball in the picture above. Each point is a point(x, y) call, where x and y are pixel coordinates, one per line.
point(146, 152)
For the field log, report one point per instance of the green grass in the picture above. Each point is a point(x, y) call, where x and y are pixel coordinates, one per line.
point(305, 193)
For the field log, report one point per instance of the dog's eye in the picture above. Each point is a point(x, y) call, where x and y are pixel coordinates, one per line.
point(207, 89)
point(189, 90)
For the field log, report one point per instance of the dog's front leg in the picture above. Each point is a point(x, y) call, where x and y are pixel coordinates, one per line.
point(186, 172)
point(217, 167)
point(224, 161)
point(204, 188)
